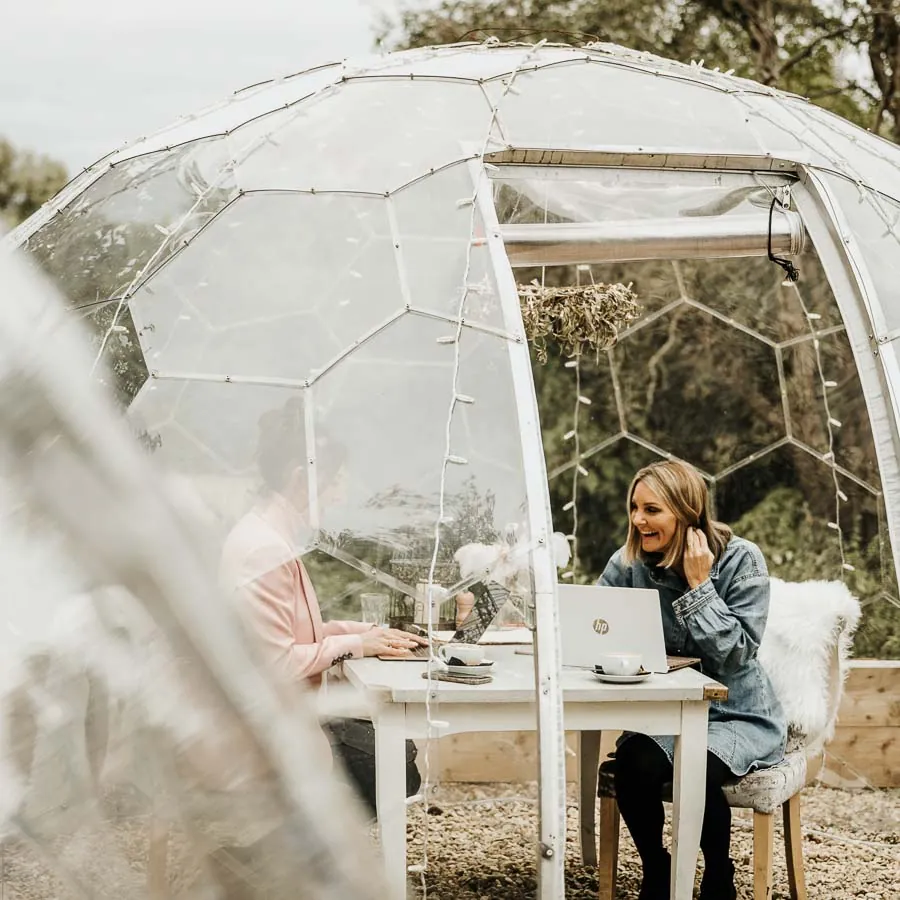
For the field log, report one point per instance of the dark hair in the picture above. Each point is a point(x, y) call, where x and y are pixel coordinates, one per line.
point(281, 447)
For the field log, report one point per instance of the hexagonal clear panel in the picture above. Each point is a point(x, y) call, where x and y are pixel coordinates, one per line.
point(124, 226)
point(399, 389)
point(440, 255)
point(432, 124)
point(278, 286)
point(810, 520)
point(582, 394)
point(243, 106)
point(862, 156)
point(874, 219)
point(580, 101)
point(711, 417)
point(213, 437)
point(597, 516)
point(809, 366)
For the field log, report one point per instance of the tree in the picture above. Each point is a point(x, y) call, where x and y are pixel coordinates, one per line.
point(26, 182)
point(879, 33)
point(796, 45)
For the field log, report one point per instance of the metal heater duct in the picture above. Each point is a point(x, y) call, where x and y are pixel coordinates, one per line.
point(715, 237)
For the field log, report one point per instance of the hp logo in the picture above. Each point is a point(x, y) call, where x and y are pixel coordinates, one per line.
point(601, 626)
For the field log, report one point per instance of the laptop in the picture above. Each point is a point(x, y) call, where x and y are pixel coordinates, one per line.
point(594, 620)
point(490, 598)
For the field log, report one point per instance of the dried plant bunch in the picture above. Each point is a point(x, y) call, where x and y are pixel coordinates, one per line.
point(576, 317)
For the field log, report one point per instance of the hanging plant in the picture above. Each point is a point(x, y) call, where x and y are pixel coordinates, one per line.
point(576, 318)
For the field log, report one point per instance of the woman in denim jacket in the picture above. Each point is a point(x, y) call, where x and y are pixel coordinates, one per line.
point(714, 594)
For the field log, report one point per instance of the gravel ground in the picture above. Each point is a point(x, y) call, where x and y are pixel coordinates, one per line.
point(484, 849)
point(480, 841)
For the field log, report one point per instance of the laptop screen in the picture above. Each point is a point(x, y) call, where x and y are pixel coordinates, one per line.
point(489, 600)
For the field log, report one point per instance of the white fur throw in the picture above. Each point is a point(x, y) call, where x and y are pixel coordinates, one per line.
point(805, 649)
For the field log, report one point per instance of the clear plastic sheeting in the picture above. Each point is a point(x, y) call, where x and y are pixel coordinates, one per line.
point(139, 752)
point(544, 194)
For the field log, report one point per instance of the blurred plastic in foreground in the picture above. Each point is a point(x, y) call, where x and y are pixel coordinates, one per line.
point(142, 752)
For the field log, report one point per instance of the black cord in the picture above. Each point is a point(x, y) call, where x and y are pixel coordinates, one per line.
point(790, 270)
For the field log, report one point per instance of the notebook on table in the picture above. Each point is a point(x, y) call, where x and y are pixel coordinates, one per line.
point(490, 598)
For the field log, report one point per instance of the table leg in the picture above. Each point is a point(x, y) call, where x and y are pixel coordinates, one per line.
point(588, 763)
point(689, 796)
point(390, 792)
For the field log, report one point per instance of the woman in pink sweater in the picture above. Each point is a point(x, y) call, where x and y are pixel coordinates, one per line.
point(261, 561)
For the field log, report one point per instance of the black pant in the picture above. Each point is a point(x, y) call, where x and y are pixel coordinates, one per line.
point(353, 746)
point(642, 768)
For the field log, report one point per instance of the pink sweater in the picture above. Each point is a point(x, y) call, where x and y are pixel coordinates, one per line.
point(259, 560)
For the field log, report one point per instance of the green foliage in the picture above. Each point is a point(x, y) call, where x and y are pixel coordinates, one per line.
point(796, 45)
point(26, 182)
point(799, 546)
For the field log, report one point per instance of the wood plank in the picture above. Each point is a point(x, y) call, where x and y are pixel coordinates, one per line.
point(873, 753)
point(871, 695)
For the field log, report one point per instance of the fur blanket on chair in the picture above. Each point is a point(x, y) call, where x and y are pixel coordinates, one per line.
point(805, 650)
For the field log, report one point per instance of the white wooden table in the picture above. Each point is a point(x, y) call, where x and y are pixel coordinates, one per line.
point(675, 704)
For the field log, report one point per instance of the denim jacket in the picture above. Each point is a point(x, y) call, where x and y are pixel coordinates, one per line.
point(721, 621)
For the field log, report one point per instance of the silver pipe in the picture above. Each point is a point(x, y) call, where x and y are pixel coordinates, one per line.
point(691, 237)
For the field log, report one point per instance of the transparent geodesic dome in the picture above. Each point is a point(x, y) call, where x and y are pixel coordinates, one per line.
point(337, 252)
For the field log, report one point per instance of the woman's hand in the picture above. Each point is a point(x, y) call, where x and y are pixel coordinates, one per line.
point(389, 642)
point(698, 559)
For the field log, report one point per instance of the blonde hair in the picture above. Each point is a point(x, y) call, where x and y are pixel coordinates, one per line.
point(680, 486)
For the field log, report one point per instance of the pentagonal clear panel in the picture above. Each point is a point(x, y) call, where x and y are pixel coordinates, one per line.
point(810, 521)
point(826, 405)
point(710, 420)
point(130, 220)
point(227, 444)
point(432, 123)
point(277, 286)
point(441, 254)
point(874, 221)
point(117, 345)
point(597, 512)
point(243, 106)
point(579, 103)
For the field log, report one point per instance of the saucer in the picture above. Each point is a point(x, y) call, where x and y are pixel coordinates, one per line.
point(621, 679)
point(477, 669)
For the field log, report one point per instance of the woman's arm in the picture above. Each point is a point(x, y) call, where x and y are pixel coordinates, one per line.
point(343, 626)
point(268, 603)
point(728, 628)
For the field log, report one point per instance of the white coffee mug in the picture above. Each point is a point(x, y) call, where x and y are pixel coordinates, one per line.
point(467, 654)
point(620, 663)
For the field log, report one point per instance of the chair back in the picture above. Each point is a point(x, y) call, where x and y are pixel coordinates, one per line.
point(805, 651)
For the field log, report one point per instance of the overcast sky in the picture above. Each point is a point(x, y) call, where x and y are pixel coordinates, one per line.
point(80, 77)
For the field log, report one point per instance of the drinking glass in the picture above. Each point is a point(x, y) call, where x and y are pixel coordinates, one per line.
point(375, 608)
